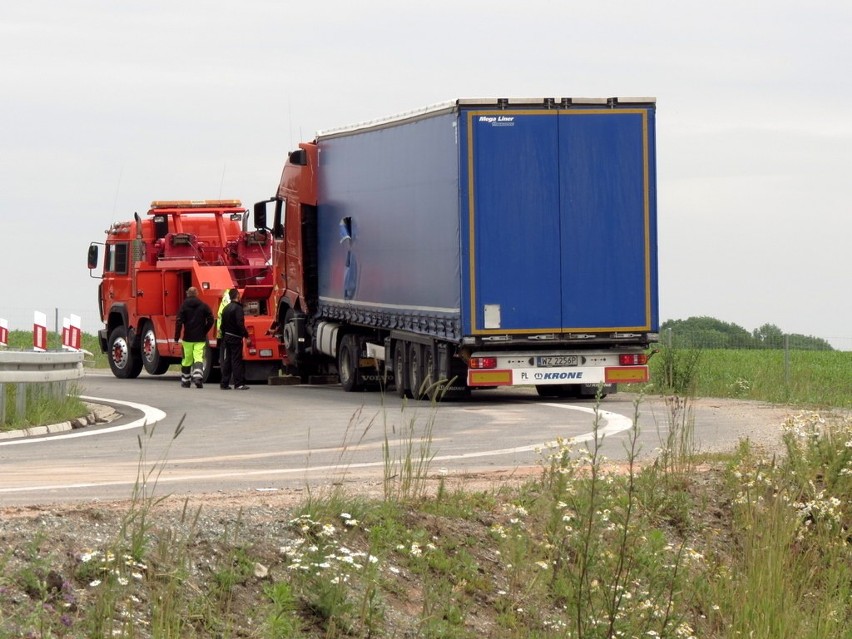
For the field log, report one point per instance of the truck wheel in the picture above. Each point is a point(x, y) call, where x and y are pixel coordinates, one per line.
point(124, 363)
point(430, 374)
point(347, 363)
point(290, 336)
point(154, 364)
point(400, 378)
point(415, 371)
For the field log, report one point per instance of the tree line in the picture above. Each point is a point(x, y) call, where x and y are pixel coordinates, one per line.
point(708, 332)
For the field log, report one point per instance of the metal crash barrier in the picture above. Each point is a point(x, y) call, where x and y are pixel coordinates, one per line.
point(46, 372)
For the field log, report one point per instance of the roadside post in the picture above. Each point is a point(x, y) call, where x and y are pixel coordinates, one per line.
point(39, 331)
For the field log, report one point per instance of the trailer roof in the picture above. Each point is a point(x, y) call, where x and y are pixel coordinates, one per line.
point(452, 105)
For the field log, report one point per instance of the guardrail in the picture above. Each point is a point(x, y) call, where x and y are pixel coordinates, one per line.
point(44, 372)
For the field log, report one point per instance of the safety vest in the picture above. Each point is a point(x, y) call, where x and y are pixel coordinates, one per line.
point(226, 299)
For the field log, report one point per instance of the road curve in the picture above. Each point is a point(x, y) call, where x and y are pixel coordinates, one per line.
point(274, 437)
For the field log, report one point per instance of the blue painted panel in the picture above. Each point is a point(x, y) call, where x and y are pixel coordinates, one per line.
point(606, 238)
point(543, 221)
point(513, 222)
point(399, 188)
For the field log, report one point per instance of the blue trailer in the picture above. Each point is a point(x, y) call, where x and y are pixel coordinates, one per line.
point(477, 243)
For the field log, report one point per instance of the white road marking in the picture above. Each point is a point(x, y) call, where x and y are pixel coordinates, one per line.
point(613, 423)
point(151, 416)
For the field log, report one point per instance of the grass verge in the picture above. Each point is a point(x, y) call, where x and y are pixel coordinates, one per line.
point(751, 545)
point(43, 406)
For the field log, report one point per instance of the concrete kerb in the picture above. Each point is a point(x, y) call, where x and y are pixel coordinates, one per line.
point(98, 414)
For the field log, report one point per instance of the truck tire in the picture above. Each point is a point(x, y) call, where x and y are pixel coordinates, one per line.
point(124, 363)
point(151, 359)
point(415, 371)
point(290, 337)
point(347, 363)
point(400, 370)
point(431, 377)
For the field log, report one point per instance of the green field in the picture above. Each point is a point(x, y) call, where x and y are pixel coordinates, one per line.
point(802, 378)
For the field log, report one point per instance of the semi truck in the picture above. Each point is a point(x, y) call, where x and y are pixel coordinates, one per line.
point(473, 244)
point(150, 262)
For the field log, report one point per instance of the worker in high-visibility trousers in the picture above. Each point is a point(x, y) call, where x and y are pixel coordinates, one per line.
point(195, 319)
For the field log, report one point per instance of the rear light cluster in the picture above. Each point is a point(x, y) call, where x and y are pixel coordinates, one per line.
point(252, 348)
point(632, 359)
point(481, 363)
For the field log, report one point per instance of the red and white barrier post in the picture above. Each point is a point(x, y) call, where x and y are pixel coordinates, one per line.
point(76, 336)
point(39, 331)
point(71, 333)
point(66, 329)
point(4, 332)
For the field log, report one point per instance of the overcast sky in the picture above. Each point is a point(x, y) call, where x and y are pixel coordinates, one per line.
point(108, 105)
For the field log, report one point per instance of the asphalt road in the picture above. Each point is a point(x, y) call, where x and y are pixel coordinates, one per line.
point(274, 437)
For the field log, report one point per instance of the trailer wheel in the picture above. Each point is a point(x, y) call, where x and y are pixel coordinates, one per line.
point(430, 375)
point(153, 362)
point(347, 363)
point(124, 363)
point(415, 371)
point(400, 377)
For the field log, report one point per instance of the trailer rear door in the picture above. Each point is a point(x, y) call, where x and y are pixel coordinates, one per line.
point(560, 220)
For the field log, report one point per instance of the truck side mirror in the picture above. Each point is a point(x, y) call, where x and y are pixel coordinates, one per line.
point(260, 214)
point(298, 157)
point(93, 256)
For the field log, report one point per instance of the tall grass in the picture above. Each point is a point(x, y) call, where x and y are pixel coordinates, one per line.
point(802, 378)
point(43, 406)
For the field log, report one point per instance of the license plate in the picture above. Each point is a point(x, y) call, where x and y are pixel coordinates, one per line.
point(557, 360)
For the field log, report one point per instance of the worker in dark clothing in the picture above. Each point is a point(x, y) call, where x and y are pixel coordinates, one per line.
point(233, 327)
point(195, 319)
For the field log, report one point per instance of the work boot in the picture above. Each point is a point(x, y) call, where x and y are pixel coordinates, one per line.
point(185, 376)
point(198, 374)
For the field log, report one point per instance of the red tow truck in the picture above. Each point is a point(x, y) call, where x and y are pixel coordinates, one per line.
point(149, 263)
